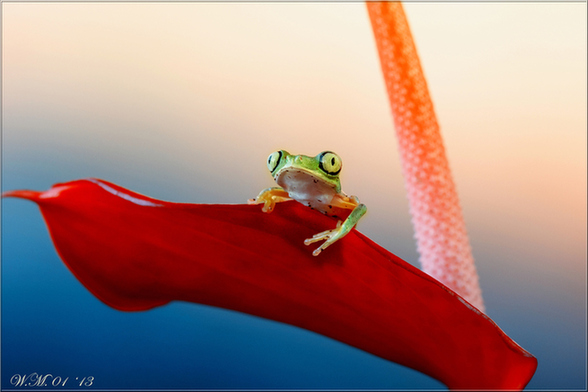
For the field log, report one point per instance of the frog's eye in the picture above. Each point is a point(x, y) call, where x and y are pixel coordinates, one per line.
point(273, 160)
point(330, 163)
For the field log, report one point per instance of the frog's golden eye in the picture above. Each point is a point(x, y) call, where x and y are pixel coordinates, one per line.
point(330, 163)
point(273, 160)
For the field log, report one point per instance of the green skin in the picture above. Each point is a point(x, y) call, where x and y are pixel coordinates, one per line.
point(314, 182)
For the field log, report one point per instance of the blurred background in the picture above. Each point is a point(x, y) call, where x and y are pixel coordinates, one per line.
point(185, 101)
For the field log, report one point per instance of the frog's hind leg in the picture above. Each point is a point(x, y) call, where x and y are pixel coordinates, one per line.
point(269, 197)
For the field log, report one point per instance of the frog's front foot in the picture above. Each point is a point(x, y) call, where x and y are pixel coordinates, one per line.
point(269, 197)
point(342, 229)
point(268, 203)
point(329, 236)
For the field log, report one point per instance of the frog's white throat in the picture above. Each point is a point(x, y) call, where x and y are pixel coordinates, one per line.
point(303, 186)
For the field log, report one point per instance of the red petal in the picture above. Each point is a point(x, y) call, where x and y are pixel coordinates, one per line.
point(135, 253)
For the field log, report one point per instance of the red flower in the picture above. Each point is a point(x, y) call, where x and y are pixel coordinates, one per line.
point(135, 253)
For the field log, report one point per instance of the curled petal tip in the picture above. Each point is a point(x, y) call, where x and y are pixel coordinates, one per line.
point(23, 194)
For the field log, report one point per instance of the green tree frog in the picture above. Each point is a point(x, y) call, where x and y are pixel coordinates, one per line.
point(314, 182)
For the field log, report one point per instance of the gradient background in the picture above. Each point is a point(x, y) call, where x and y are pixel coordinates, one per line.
point(185, 101)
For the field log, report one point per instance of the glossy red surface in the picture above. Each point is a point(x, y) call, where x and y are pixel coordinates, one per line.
point(135, 253)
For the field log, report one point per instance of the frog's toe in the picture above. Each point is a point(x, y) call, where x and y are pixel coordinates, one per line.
point(251, 201)
point(268, 206)
point(324, 235)
point(317, 251)
point(324, 246)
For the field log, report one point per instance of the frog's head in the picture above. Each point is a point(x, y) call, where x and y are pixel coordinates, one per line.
point(324, 167)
